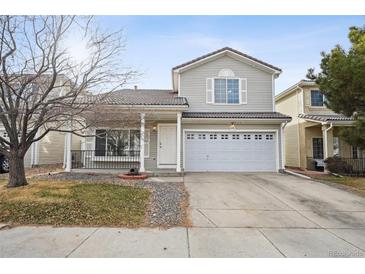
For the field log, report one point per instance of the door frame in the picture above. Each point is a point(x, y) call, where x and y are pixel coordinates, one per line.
point(158, 145)
point(276, 131)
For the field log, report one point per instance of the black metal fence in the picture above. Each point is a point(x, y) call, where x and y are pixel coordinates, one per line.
point(357, 166)
point(354, 167)
point(95, 159)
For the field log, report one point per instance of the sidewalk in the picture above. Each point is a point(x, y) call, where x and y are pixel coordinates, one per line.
point(45, 241)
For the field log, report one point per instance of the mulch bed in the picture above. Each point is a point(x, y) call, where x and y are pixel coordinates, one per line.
point(168, 204)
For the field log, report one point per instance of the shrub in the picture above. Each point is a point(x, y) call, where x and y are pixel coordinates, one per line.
point(337, 165)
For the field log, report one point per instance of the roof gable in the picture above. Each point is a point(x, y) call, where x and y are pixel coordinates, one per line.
point(227, 51)
point(291, 89)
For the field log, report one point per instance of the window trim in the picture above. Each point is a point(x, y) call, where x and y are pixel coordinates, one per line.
point(239, 91)
point(323, 99)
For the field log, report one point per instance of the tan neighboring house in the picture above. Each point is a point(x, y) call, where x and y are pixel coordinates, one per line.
point(51, 149)
point(313, 133)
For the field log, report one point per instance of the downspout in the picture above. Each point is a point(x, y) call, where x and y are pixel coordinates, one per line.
point(325, 140)
point(282, 135)
point(301, 111)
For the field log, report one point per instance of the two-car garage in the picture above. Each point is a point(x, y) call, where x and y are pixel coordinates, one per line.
point(230, 150)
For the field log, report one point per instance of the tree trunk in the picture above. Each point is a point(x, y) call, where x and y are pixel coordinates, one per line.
point(16, 171)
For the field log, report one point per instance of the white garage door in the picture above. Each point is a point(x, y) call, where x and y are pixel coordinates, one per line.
point(233, 151)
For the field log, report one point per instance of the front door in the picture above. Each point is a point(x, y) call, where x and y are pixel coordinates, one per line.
point(167, 145)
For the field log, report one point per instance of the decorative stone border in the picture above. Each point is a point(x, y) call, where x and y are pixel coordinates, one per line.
point(133, 177)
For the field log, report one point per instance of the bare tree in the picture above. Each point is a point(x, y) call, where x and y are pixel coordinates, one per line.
point(43, 87)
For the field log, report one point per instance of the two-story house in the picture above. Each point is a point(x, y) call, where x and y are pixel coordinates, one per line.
point(51, 149)
point(313, 133)
point(218, 116)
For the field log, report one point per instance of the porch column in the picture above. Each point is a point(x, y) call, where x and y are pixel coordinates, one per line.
point(327, 133)
point(282, 146)
point(68, 144)
point(178, 142)
point(141, 146)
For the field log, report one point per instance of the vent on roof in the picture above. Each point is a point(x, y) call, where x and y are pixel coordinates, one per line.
point(135, 87)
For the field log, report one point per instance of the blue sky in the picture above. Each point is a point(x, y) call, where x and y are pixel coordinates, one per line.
point(155, 44)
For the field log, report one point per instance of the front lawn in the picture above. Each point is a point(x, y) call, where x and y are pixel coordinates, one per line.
point(355, 184)
point(73, 203)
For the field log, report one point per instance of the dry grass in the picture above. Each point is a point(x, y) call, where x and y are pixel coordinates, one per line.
point(29, 172)
point(354, 184)
point(73, 203)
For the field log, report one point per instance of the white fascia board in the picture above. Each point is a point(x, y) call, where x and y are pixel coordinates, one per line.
point(227, 120)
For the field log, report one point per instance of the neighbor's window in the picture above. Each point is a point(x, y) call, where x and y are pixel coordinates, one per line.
point(117, 142)
point(356, 153)
point(226, 91)
point(317, 98)
point(317, 148)
point(336, 146)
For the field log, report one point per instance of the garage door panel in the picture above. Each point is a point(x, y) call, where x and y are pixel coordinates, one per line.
point(234, 151)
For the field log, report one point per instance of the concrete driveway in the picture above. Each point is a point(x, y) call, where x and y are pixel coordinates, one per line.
point(269, 215)
point(234, 215)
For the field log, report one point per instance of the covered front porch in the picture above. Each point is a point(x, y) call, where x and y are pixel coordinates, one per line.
point(322, 140)
point(121, 139)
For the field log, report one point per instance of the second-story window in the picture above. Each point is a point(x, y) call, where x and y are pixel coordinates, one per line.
point(226, 91)
point(317, 98)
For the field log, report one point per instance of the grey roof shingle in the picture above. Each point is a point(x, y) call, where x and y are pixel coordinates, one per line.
point(146, 97)
point(224, 49)
point(236, 115)
point(326, 117)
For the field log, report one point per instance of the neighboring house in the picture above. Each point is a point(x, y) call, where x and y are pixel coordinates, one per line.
point(218, 116)
point(313, 133)
point(50, 149)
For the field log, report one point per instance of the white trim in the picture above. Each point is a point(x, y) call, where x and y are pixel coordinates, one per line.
point(249, 60)
point(178, 142)
point(209, 90)
point(236, 130)
point(273, 91)
point(69, 152)
point(282, 145)
point(239, 91)
point(178, 85)
point(141, 142)
point(276, 121)
point(34, 156)
point(147, 130)
point(158, 146)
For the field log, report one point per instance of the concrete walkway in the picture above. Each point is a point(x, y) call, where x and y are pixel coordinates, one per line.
point(234, 215)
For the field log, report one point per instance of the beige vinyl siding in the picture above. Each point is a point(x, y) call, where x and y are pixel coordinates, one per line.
point(259, 86)
point(308, 109)
point(51, 148)
point(225, 126)
point(28, 158)
point(289, 105)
